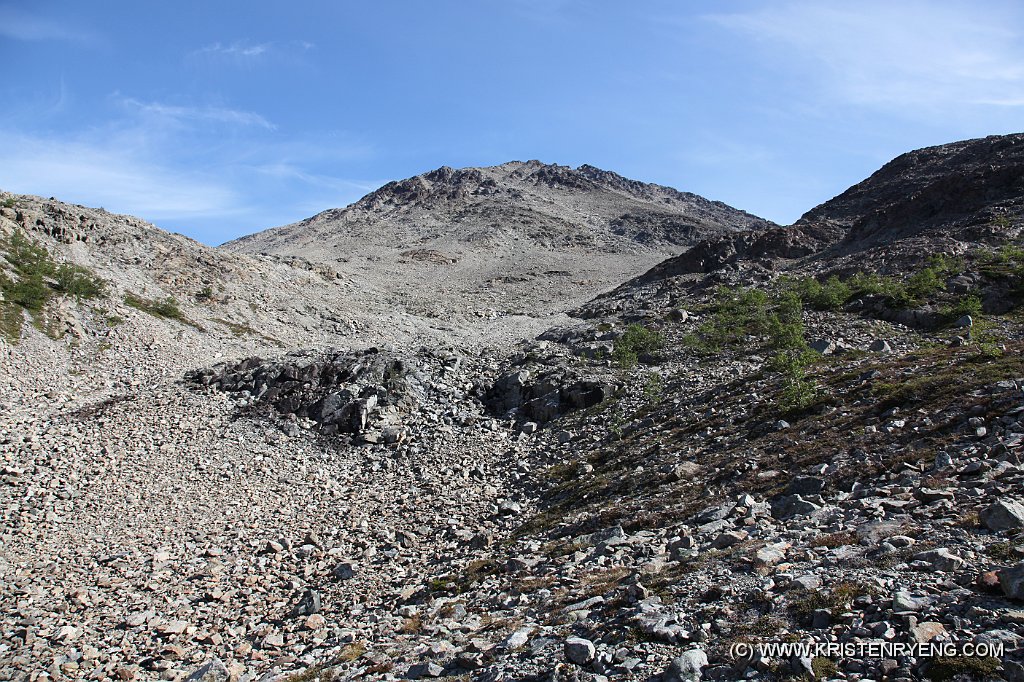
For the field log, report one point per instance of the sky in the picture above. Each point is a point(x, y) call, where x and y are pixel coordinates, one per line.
point(218, 119)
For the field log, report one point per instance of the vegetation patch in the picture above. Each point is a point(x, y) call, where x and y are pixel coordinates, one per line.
point(165, 309)
point(835, 601)
point(964, 667)
point(34, 280)
point(636, 342)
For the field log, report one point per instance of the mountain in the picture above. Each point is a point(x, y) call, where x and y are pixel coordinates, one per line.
point(223, 465)
point(953, 194)
point(523, 238)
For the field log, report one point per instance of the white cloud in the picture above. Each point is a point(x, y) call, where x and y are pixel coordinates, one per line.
point(237, 49)
point(896, 54)
point(214, 114)
point(191, 179)
point(111, 175)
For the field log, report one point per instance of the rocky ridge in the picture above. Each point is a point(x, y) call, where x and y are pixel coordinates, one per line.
point(523, 238)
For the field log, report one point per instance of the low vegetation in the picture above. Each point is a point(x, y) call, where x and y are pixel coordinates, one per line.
point(759, 320)
point(917, 288)
point(636, 342)
point(964, 667)
point(835, 601)
point(34, 278)
point(165, 308)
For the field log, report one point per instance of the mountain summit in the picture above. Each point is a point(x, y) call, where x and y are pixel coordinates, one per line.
point(548, 205)
point(521, 237)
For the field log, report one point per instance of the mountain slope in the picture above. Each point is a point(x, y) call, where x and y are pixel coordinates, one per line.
point(704, 462)
point(953, 194)
point(523, 237)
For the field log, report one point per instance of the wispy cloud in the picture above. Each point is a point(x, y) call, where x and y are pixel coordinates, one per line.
point(246, 53)
point(896, 54)
point(94, 173)
point(237, 49)
point(17, 24)
point(220, 185)
point(207, 113)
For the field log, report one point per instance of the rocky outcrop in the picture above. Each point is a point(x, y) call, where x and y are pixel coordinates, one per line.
point(955, 188)
point(545, 396)
point(341, 392)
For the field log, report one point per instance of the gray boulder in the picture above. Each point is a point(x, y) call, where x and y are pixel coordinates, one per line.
point(793, 505)
point(805, 485)
point(687, 667)
point(1003, 514)
point(213, 671)
point(579, 651)
point(1012, 581)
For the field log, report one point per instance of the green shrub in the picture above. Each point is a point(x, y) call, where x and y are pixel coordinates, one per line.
point(12, 319)
point(39, 277)
point(784, 324)
point(968, 305)
point(824, 668)
point(654, 387)
point(798, 392)
point(917, 288)
point(830, 295)
point(634, 342)
point(204, 294)
point(1010, 254)
point(166, 308)
point(78, 282)
point(750, 312)
point(28, 292)
point(923, 284)
point(8, 202)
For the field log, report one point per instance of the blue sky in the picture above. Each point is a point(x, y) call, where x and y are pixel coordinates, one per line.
point(217, 119)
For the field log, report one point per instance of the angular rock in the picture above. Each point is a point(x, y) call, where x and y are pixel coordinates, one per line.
point(1003, 514)
point(1012, 581)
point(941, 559)
point(213, 671)
point(579, 651)
point(422, 670)
point(793, 505)
point(805, 485)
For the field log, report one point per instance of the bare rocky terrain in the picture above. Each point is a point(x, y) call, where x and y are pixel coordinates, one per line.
point(522, 423)
point(524, 239)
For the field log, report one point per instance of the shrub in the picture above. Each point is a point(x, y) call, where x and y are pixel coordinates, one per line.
point(204, 294)
point(968, 305)
point(166, 308)
point(11, 321)
point(38, 277)
point(798, 392)
point(79, 282)
point(8, 202)
point(654, 387)
point(637, 340)
point(835, 601)
point(830, 295)
point(745, 312)
point(824, 668)
point(924, 283)
point(784, 325)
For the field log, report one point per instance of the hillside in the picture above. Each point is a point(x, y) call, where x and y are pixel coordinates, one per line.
point(522, 238)
point(807, 434)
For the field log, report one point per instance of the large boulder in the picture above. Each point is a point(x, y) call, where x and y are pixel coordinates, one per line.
point(1003, 514)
